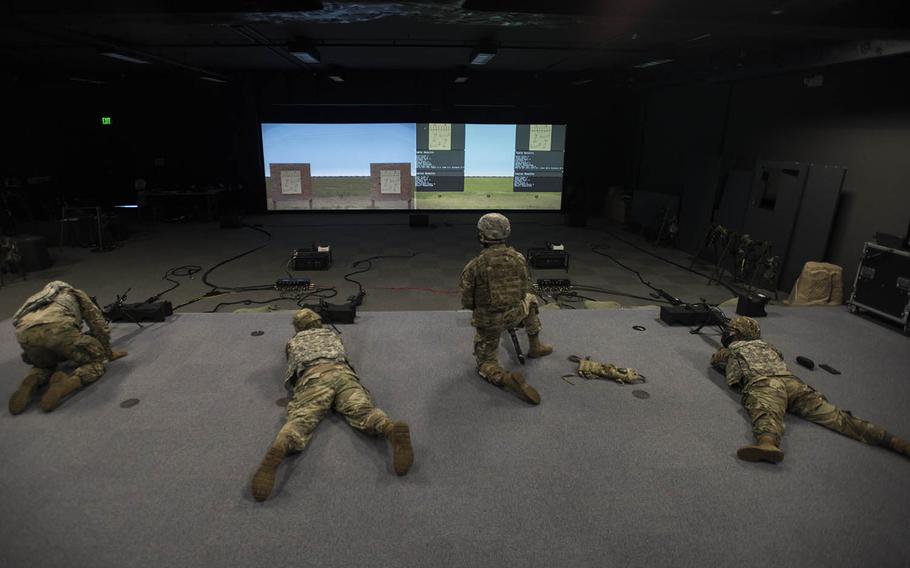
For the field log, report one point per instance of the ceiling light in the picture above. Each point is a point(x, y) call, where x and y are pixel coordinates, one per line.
point(212, 79)
point(582, 82)
point(777, 12)
point(701, 37)
point(337, 78)
point(461, 79)
point(652, 63)
point(304, 52)
point(483, 55)
point(122, 57)
point(84, 80)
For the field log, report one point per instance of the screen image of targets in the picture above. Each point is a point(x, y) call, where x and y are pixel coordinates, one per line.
point(413, 166)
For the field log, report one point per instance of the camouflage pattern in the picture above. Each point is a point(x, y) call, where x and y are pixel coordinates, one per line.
point(769, 391)
point(746, 328)
point(49, 330)
point(45, 346)
point(60, 304)
point(594, 370)
point(494, 228)
point(496, 286)
point(307, 319)
point(324, 387)
point(309, 348)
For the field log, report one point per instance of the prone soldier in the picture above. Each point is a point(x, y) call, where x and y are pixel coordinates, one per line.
point(49, 330)
point(496, 286)
point(769, 390)
point(320, 378)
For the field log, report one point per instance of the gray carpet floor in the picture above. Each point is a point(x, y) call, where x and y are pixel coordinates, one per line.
point(594, 476)
point(427, 281)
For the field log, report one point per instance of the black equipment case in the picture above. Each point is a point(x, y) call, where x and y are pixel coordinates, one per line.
point(882, 284)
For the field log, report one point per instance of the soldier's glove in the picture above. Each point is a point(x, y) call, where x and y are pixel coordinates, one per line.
point(594, 370)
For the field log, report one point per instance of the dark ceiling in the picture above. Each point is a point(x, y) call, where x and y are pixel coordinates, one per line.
point(575, 37)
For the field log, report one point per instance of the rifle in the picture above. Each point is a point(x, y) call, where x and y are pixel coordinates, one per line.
point(116, 309)
point(716, 318)
point(518, 353)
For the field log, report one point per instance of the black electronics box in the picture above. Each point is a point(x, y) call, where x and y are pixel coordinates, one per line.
point(752, 305)
point(546, 258)
point(312, 257)
point(149, 311)
point(882, 284)
point(334, 313)
point(684, 315)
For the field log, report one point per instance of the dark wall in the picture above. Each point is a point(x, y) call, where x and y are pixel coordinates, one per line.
point(179, 131)
point(163, 132)
point(858, 119)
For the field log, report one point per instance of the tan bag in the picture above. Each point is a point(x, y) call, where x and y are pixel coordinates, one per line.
point(819, 284)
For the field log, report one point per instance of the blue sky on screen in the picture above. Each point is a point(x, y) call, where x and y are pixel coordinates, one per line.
point(489, 150)
point(339, 149)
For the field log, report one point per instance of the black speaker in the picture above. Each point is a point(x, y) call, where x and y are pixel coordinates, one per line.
point(419, 221)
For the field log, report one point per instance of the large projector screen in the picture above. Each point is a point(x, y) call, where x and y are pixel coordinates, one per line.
point(413, 166)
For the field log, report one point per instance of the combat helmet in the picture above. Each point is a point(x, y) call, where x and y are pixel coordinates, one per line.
point(494, 228)
point(746, 328)
point(306, 319)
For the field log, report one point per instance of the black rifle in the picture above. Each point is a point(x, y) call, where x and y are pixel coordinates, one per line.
point(117, 309)
point(518, 353)
point(716, 318)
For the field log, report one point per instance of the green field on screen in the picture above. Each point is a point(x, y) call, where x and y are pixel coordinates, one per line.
point(488, 193)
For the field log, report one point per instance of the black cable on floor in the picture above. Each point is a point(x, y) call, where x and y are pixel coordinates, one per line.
point(585, 288)
point(357, 299)
point(205, 276)
point(668, 261)
point(663, 294)
point(185, 271)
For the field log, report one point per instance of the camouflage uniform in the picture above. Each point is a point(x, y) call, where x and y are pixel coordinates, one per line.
point(49, 329)
point(320, 378)
point(496, 286)
point(769, 391)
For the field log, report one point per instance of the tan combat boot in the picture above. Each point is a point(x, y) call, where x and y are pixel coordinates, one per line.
point(264, 478)
point(399, 435)
point(23, 395)
point(515, 382)
point(899, 445)
point(61, 386)
point(765, 450)
point(536, 348)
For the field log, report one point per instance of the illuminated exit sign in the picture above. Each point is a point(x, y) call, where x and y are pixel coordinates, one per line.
point(106, 120)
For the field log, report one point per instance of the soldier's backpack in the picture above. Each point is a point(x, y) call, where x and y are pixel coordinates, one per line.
point(41, 299)
point(505, 280)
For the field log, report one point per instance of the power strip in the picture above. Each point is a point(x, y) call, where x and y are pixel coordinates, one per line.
point(553, 285)
point(293, 285)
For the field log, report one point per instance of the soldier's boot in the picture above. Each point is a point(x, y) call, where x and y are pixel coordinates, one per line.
point(536, 348)
point(515, 382)
point(899, 445)
point(765, 450)
point(23, 395)
point(399, 435)
point(264, 478)
point(61, 386)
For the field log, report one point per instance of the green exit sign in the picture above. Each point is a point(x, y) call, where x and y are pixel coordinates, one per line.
point(106, 120)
